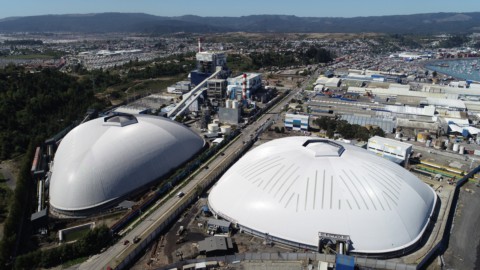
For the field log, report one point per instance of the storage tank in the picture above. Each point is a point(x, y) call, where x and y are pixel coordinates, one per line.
point(230, 91)
point(212, 128)
point(216, 121)
point(226, 129)
point(228, 104)
point(437, 144)
point(455, 147)
point(398, 135)
point(235, 104)
point(461, 150)
point(428, 143)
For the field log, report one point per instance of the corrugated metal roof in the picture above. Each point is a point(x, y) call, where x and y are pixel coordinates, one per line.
point(386, 124)
point(451, 103)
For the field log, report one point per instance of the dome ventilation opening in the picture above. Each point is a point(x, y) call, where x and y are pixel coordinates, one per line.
point(324, 148)
point(120, 120)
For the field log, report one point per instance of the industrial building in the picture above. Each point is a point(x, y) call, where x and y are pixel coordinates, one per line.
point(180, 88)
point(129, 109)
point(102, 161)
point(229, 115)
point(207, 62)
point(296, 121)
point(323, 81)
point(250, 81)
point(398, 152)
point(216, 89)
point(305, 191)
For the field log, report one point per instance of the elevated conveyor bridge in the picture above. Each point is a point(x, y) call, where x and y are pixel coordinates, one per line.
point(191, 96)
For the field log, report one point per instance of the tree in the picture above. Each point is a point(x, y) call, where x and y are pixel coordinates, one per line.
point(377, 131)
point(33, 103)
point(89, 244)
point(330, 133)
point(454, 41)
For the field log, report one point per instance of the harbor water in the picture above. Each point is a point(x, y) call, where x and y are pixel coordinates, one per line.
point(465, 69)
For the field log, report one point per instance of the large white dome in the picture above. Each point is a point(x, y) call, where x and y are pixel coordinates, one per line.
point(105, 159)
point(295, 187)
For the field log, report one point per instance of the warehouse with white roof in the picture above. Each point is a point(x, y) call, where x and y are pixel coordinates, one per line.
point(296, 190)
point(104, 160)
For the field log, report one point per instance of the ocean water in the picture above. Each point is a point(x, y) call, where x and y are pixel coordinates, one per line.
point(466, 69)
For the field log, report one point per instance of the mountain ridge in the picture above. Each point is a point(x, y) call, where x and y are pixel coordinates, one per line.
point(426, 23)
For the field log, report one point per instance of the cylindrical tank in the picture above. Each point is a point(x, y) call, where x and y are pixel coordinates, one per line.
point(461, 150)
point(228, 104)
point(428, 143)
point(398, 135)
point(455, 147)
point(437, 144)
point(234, 104)
point(216, 121)
point(226, 129)
point(212, 128)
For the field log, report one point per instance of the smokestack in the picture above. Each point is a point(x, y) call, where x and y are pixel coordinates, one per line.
point(244, 89)
point(199, 44)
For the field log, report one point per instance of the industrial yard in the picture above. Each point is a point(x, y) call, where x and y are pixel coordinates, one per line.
point(172, 247)
point(374, 163)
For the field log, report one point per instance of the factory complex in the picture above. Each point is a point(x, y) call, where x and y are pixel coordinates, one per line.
point(297, 188)
point(436, 114)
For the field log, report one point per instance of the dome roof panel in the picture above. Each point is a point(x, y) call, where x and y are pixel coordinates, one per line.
point(296, 187)
point(97, 163)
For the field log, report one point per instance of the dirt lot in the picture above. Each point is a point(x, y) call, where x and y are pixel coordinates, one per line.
point(171, 247)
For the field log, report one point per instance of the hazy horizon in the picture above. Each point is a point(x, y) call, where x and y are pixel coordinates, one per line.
point(216, 8)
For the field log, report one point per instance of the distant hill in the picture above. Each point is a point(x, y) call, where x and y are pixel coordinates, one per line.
point(432, 23)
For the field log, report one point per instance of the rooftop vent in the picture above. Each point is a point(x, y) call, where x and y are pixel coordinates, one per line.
point(324, 148)
point(119, 120)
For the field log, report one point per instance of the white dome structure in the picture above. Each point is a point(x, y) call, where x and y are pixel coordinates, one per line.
point(104, 160)
point(292, 189)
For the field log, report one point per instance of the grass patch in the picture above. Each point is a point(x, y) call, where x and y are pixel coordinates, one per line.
point(75, 235)
point(154, 85)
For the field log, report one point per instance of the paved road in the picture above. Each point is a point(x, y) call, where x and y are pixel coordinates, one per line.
point(462, 251)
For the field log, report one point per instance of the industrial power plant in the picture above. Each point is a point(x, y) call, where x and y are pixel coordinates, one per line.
point(234, 156)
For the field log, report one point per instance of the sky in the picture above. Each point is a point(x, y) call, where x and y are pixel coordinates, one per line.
point(301, 8)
